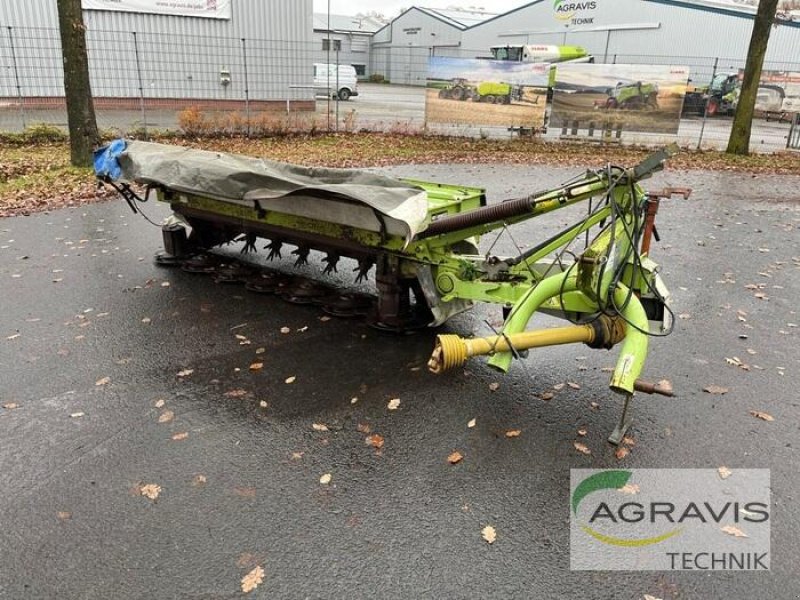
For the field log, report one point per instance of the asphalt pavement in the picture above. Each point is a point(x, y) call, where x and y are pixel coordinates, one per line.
point(143, 457)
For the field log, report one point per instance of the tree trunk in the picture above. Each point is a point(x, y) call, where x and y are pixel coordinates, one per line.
point(83, 136)
point(739, 142)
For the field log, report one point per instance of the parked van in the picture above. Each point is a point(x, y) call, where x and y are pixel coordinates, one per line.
point(342, 83)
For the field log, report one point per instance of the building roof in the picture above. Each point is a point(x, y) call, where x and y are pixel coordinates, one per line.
point(461, 19)
point(359, 24)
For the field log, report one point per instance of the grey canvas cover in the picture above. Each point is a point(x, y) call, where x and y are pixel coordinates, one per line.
point(346, 196)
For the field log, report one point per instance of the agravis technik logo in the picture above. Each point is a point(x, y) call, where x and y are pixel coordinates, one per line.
point(669, 519)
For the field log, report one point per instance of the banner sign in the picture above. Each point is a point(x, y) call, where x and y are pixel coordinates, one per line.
point(210, 9)
point(475, 92)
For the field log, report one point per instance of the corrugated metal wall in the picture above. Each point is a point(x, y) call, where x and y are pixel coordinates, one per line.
point(683, 31)
point(355, 49)
point(178, 57)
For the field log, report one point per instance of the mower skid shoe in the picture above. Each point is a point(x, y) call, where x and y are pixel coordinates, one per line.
point(624, 424)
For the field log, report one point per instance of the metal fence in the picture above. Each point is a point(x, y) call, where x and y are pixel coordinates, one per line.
point(143, 81)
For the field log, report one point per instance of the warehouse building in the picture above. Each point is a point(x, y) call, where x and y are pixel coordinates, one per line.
point(152, 52)
point(701, 34)
point(345, 40)
point(401, 49)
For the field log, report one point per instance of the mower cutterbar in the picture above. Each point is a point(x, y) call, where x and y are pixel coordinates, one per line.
point(423, 239)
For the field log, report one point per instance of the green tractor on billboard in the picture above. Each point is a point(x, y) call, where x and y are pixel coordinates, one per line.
point(631, 96)
point(487, 91)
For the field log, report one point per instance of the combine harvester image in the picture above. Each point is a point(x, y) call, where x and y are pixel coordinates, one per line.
point(422, 238)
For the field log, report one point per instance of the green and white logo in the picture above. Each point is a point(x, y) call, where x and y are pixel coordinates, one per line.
point(669, 519)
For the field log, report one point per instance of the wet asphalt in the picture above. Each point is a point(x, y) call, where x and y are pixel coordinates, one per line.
point(93, 338)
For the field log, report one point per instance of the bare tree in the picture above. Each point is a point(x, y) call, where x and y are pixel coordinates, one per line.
point(739, 141)
point(83, 136)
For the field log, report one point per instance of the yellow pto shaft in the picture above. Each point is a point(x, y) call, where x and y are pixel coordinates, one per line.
point(452, 351)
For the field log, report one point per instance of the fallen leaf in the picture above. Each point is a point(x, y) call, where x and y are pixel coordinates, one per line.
point(76, 415)
point(762, 415)
point(375, 440)
point(558, 387)
point(715, 389)
point(594, 405)
point(724, 472)
point(185, 372)
point(165, 284)
point(649, 597)
point(199, 480)
point(734, 531)
point(629, 488)
point(494, 386)
point(582, 432)
point(146, 320)
point(573, 385)
point(455, 457)
point(103, 381)
point(10, 405)
point(582, 448)
point(252, 580)
point(13, 337)
point(286, 330)
point(256, 366)
point(325, 479)
point(241, 337)
point(628, 441)
point(471, 423)
point(291, 379)
point(160, 403)
point(319, 427)
point(244, 492)
point(64, 515)
point(546, 396)
point(489, 534)
point(166, 416)
point(394, 404)
point(621, 452)
point(512, 433)
point(150, 490)
point(260, 350)
point(180, 436)
point(363, 428)
point(353, 400)
point(303, 329)
point(263, 404)
point(238, 393)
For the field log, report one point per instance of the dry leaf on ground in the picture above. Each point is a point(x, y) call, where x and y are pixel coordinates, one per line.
point(621, 452)
point(375, 440)
point(325, 479)
point(10, 405)
point(734, 531)
point(715, 389)
point(185, 372)
point(724, 472)
point(199, 480)
point(235, 393)
point(252, 580)
point(394, 404)
point(512, 433)
point(546, 396)
point(471, 423)
point(160, 403)
point(582, 448)
point(77, 415)
point(166, 416)
point(64, 515)
point(455, 457)
point(182, 435)
point(762, 415)
point(103, 381)
point(286, 330)
point(291, 379)
point(489, 534)
point(319, 427)
point(629, 488)
point(494, 386)
point(150, 490)
point(256, 366)
point(573, 385)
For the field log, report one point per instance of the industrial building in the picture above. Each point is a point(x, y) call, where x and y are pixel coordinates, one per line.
point(401, 49)
point(223, 51)
point(345, 40)
point(700, 34)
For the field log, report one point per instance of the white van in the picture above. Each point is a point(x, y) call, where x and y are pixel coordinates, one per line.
point(342, 83)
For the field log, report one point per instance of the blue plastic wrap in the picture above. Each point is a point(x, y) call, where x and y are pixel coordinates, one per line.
point(106, 163)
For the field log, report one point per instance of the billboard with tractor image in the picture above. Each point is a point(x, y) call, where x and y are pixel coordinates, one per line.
point(633, 98)
point(479, 92)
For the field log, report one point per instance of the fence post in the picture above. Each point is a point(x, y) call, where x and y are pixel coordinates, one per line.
point(337, 88)
point(141, 86)
point(705, 108)
point(16, 77)
point(246, 86)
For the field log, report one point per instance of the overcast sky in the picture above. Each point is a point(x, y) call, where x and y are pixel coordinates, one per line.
point(391, 8)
